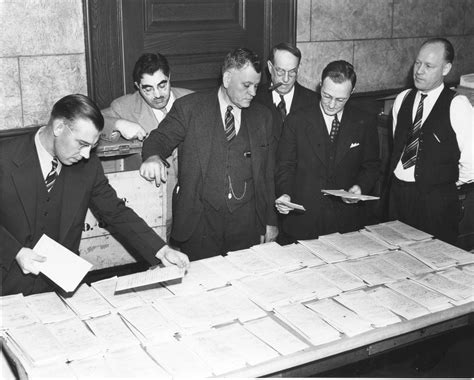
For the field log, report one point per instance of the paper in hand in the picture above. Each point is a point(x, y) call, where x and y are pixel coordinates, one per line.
point(346, 194)
point(63, 267)
point(295, 206)
point(151, 276)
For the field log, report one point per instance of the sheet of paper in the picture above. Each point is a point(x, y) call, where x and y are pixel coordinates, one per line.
point(86, 302)
point(426, 297)
point(460, 255)
point(340, 317)
point(431, 254)
point(238, 304)
point(112, 331)
point(314, 285)
point(367, 270)
point(409, 232)
point(346, 194)
point(223, 267)
point(248, 262)
point(399, 304)
point(294, 206)
point(325, 251)
point(38, 344)
point(15, 312)
point(62, 266)
point(460, 276)
point(388, 234)
point(445, 286)
point(354, 244)
point(148, 277)
point(152, 293)
point(367, 308)
point(278, 255)
point(92, 368)
point(341, 278)
point(407, 262)
point(179, 360)
point(77, 340)
point(106, 288)
point(307, 323)
point(49, 307)
point(276, 336)
point(304, 255)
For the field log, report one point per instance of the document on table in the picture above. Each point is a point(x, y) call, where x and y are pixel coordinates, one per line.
point(341, 278)
point(15, 312)
point(313, 284)
point(106, 288)
point(433, 255)
point(238, 304)
point(62, 266)
point(407, 262)
point(49, 307)
point(346, 194)
point(294, 206)
point(408, 231)
point(250, 263)
point(275, 335)
point(445, 286)
point(148, 277)
point(86, 302)
point(388, 234)
point(325, 251)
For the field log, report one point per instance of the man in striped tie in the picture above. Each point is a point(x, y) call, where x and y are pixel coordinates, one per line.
point(225, 193)
point(433, 146)
point(49, 177)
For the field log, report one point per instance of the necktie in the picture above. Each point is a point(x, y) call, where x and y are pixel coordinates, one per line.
point(334, 129)
point(282, 107)
point(229, 124)
point(51, 177)
point(413, 141)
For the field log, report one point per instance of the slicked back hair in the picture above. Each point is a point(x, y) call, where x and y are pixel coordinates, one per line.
point(339, 72)
point(77, 106)
point(239, 58)
point(284, 46)
point(150, 63)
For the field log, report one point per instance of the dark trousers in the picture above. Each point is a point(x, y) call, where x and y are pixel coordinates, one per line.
point(436, 212)
point(221, 231)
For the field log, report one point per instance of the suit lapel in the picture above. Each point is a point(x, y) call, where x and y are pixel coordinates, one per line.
point(317, 133)
point(345, 136)
point(144, 113)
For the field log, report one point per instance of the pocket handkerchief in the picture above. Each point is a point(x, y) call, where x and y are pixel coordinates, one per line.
point(353, 145)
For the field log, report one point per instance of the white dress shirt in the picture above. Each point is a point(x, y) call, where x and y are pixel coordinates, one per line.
point(160, 114)
point(45, 159)
point(288, 99)
point(462, 122)
point(329, 119)
point(236, 111)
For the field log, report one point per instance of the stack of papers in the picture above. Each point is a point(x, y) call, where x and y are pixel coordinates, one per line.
point(179, 360)
point(248, 262)
point(15, 312)
point(48, 307)
point(38, 345)
point(276, 336)
point(152, 293)
point(278, 255)
point(430, 299)
point(224, 268)
point(87, 303)
point(365, 306)
point(388, 234)
point(307, 323)
point(443, 285)
point(399, 304)
point(461, 256)
point(112, 331)
point(355, 244)
point(151, 276)
point(304, 255)
point(120, 300)
point(77, 340)
point(325, 251)
point(432, 255)
point(341, 318)
point(314, 285)
point(238, 304)
point(407, 231)
point(343, 279)
point(348, 195)
point(406, 262)
point(148, 324)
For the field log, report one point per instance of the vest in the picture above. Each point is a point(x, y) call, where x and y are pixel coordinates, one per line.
point(228, 181)
point(438, 153)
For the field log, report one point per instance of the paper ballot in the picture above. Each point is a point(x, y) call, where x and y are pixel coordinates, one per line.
point(151, 276)
point(62, 266)
point(346, 194)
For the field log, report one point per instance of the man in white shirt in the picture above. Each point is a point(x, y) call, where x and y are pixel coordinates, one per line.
point(433, 146)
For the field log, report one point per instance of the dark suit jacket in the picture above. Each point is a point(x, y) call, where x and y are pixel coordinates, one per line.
point(303, 169)
point(190, 124)
point(85, 185)
point(303, 97)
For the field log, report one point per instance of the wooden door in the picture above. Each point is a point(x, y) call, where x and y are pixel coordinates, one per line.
point(194, 35)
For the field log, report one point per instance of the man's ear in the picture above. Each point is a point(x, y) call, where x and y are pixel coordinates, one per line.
point(447, 68)
point(226, 78)
point(269, 65)
point(58, 127)
point(137, 86)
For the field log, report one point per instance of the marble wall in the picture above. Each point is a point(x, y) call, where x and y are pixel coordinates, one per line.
point(381, 37)
point(42, 58)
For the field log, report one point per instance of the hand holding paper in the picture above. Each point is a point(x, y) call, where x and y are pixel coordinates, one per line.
point(284, 205)
point(346, 194)
point(62, 266)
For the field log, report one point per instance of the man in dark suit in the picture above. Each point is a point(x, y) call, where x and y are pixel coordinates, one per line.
point(225, 193)
point(285, 95)
point(330, 145)
point(48, 180)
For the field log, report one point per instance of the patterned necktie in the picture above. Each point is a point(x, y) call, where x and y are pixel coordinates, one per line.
point(413, 141)
point(334, 129)
point(51, 177)
point(229, 124)
point(282, 107)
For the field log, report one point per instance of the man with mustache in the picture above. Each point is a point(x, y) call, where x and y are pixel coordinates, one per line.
point(433, 146)
point(225, 193)
point(48, 179)
point(135, 115)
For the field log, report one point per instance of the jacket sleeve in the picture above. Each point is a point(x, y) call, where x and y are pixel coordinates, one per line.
point(111, 115)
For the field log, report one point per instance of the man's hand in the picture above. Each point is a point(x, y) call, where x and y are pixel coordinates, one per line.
point(170, 256)
point(270, 235)
point(27, 259)
point(154, 169)
point(130, 130)
point(282, 208)
point(354, 190)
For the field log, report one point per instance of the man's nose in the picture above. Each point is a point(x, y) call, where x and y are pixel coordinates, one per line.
point(286, 77)
point(252, 91)
point(86, 152)
point(332, 103)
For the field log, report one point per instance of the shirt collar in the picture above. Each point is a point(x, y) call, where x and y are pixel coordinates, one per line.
point(45, 158)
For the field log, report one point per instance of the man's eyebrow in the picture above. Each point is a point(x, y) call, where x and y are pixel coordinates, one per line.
point(163, 81)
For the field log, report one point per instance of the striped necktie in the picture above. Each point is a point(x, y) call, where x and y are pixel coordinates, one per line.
point(282, 107)
point(51, 177)
point(413, 141)
point(334, 129)
point(229, 124)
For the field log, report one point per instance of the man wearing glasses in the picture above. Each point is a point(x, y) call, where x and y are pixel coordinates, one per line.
point(135, 115)
point(48, 180)
point(328, 145)
point(284, 95)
